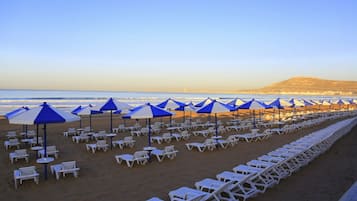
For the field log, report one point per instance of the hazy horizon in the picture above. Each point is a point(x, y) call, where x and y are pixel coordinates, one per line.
point(174, 46)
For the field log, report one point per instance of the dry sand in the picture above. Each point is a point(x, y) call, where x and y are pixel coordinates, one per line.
point(102, 179)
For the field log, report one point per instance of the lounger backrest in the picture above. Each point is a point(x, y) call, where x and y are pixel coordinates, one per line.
point(166, 135)
point(128, 138)
point(51, 148)
point(101, 142)
point(101, 132)
point(170, 148)
point(69, 165)
point(140, 154)
point(31, 132)
point(11, 132)
point(87, 129)
point(20, 152)
point(184, 133)
point(224, 187)
point(14, 140)
point(71, 129)
point(209, 141)
point(27, 170)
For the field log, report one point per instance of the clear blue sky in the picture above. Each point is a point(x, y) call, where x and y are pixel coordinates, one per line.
point(174, 45)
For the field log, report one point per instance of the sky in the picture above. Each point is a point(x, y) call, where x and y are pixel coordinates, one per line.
point(178, 45)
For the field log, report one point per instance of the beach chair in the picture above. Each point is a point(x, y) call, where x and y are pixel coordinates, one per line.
point(26, 173)
point(19, 154)
point(126, 142)
point(185, 135)
point(64, 168)
point(80, 137)
point(11, 134)
point(241, 187)
point(166, 137)
point(14, 142)
point(100, 145)
point(220, 192)
point(51, 150)
point(69, 132)
point(140, 157)
point(33, 141)
point(209, 144)
point(168, 151)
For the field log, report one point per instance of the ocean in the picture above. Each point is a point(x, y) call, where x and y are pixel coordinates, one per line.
point(12, 99)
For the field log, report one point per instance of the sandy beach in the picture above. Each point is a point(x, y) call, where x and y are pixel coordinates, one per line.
point(102, 179)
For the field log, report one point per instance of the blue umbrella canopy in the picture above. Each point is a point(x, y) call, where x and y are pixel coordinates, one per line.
point(113, 105)
point(87, 110)
point(280, 104)
point(170, 104)
point(236, 102)
point(307, 103)
point(44, 114)
point(147, 111)
point(215, 107)
point(254, 105)
point(16, 112)
point(296, 103)
point(204, 102)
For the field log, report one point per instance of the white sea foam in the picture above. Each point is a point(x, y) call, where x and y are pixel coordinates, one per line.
point(12, 99)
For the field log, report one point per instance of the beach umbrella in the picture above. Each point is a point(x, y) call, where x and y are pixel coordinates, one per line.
point(236, 102)
point(147, 112)
point(44, 114)
point(87, 110)
point(204, 102)
point(213, 108)
point(254, 105)
point(113, 105)
point(16, 112)
point(296, 103)
point(187, 107)
point(280, 104)
point(170, 104)
point(75, 111)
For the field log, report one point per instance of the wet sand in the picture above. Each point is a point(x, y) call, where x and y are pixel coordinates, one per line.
point(101, 178)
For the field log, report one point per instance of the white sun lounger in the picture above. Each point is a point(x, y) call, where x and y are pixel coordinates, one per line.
point(186, 193)
point(168, 151)
point(140, 157)
point(100, 145)
point(19, 154)
point(209, 144)
point(64, 168)
point(126, 142)
point(51, 150)
point(14, 142)
point(26, 173)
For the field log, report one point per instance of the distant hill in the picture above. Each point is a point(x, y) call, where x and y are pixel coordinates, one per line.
point(309, 86)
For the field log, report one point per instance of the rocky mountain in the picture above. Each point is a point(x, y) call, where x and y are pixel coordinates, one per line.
point(309, 86)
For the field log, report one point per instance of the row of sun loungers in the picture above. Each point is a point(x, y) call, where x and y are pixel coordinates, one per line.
point(143, 157)
point(30, 173)
point(258, 175)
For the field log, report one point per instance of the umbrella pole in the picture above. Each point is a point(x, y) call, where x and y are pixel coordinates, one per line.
point(26, 131)
point(215, 118)
point(80, 122)
point(184, 117)
point(36, 134)
point(254, 125)
point(90, 122)
point(170, 125)
point(45, 148)
point(149, 138)
point(111, 121)
point(279, 118)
